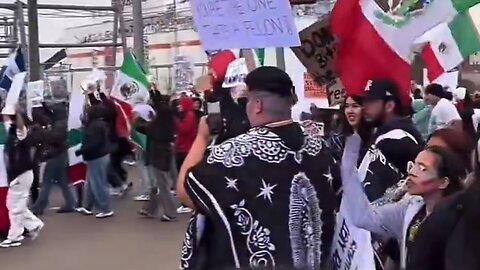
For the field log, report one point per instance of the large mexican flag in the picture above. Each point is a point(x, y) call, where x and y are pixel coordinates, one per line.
point(77, 168)
point(376, 37)
point(132, 74)
point(450, 44)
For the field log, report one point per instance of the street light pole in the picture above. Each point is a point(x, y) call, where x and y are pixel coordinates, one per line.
point(138, 45)
point(34, 53)
point(175, 33)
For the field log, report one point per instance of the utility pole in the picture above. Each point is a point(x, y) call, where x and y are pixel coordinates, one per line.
point(123, 32)
point(175, 24)
point(33, 41)
point(115, 32)
point(138, 45)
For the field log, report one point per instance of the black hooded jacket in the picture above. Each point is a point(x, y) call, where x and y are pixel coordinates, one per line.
point(95, 140)
point(159, 132)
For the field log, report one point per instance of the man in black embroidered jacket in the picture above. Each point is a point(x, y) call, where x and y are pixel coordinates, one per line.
point(264, 198)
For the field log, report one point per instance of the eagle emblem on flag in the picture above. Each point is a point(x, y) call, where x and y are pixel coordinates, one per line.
point(128, 90)
point(397, 13)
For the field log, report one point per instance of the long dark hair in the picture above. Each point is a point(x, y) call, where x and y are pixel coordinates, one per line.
point(364, 129)
point(451, 167)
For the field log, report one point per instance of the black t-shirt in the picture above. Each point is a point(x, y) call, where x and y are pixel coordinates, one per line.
point(413, 229)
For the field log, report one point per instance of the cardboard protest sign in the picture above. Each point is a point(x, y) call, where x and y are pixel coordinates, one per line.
point(236, 73)
point(203, 83)
point(34, 96)
point(237, 24)
point(335, 92)
point(14, 93)
point(312, 90)
point(317, 51)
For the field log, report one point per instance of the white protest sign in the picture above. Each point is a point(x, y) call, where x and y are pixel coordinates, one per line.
point(240, 24)
point(183, 73)
point(34, 96)
point(236, 73)
point(352, 247)
point(14, 93)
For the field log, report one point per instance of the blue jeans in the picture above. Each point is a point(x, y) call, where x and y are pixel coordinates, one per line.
point(55, 174)
point(97, 185)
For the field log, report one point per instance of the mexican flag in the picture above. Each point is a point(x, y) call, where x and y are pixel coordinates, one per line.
point(450, 44)
point(131, 73)
point(376, 37)
point(77, 168)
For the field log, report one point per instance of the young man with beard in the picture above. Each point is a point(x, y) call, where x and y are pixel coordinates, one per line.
point(395, 143)
point(263, 198)
point(396, 140)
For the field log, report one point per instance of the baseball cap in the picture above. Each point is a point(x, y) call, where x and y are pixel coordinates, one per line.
point(384, 90)
point(218, 65)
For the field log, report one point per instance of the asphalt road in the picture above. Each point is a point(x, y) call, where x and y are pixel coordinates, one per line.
point(123, 242)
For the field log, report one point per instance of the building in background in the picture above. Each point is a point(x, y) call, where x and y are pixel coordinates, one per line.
point(169, 31)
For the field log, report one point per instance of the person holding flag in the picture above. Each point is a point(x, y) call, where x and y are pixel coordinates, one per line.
point(95, 150)
point(19, 172)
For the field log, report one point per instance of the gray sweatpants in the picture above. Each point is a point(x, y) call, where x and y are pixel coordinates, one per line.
point(160, 193)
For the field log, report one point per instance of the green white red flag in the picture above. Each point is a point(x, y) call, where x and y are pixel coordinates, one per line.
point(77, 168)
point(450, 44)
point(376, 37)
point(131, 73)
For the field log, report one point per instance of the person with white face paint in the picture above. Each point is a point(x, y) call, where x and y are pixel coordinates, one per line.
point(435, 174)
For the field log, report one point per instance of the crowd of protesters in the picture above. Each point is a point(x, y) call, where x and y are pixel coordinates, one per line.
point(406, 173)
point(170, 129)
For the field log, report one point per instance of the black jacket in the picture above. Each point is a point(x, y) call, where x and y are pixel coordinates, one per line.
point(18, 155)
point(399, 152)
point(159, 132)
point(56, 140)
point(448, 238)
point(95, 142)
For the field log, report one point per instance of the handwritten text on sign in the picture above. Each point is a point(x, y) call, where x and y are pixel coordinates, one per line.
point(335, 92)
point(317, 51)
point(239, 24)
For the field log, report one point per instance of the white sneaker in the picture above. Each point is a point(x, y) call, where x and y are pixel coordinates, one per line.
point(12, 243)
point(142, 198)
point(104, 215)
point(130, 162)
point(85, 211)
point(35, 232)
point(184, 210)
point(116, 191)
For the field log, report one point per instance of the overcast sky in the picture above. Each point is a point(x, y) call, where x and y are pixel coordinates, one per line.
point(51, 29)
